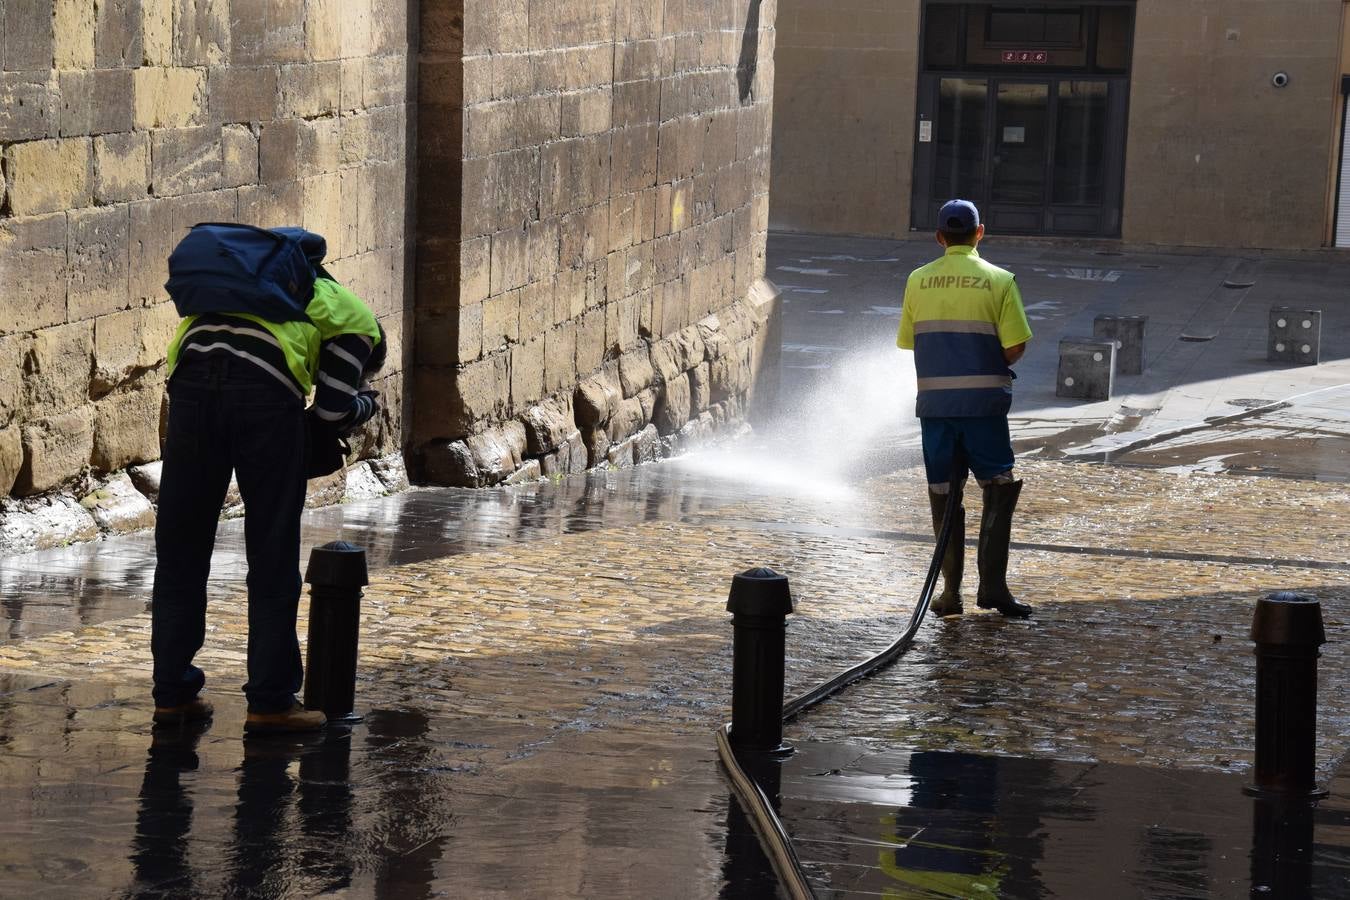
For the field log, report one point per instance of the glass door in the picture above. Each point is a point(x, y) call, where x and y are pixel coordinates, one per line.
point(1081, 155)
point(1038, 156)
point(1020, 156)
point(962, 138)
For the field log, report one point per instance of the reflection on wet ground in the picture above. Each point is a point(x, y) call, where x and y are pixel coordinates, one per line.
point(962, 825)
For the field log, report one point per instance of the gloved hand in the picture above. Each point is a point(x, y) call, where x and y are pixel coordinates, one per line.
point(367, 404)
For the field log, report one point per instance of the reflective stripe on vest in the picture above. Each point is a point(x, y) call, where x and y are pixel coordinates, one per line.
point(961, 382)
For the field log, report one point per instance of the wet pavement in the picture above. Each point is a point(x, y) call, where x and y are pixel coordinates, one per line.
point(542, 668)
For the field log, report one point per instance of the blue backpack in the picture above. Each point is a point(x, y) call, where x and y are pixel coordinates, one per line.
point(222, 267)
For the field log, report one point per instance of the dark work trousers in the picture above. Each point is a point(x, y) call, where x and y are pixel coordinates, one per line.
point(225, 414)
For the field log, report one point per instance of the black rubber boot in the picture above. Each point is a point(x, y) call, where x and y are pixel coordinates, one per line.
point(954, 560)
point(995, 534)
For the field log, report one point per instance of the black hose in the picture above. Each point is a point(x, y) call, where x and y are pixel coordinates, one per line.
point(772, 835)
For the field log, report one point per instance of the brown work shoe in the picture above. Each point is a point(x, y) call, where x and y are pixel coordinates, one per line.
point(297, 718)
point(195, 710)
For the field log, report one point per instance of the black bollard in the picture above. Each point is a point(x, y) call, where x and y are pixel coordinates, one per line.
point(1287, 629)
point(760, 602)
point(336, 574)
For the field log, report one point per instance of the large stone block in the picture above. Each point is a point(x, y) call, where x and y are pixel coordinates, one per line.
point(564, 69)
point(279, 151)
point(98, 260)
point(621, 324)
point(49, 176)
point(73, 34)
point(636, 373)
point(499, 27)
point(479, 391)
point(126, 429)
point(590, 330)
point(241, 94)
point(554, 23)
point(595, 401)
point(637, 103)
point(157, 32)
point(320, 147)
point(30, 106)
point(627, 420)
point(98, 101)
point(118, 38)
point(560, 358)
point(500, 191)
point(11, 457)
point(308, 90)
point(202, 35)
point(634, 159)
point(56, 369)
point(673, 405)
point(185, 161)
point(55, 450)
point(575, 174)
point(263, 32)
point(29, 35)
point(510, 260)
point(323, 29)
point(494, 455)
point(169, 98)
point(33, 278)
point(385, 82)
point(117, 507)
point(547, 426)
point(527, 372)
point(121, 167)
point(129, 344)
point(13, 351)
point(587, 112)
point(501, 320)
point(583, 236)
point(271, 205)
point(238, 156)
point(449, 463)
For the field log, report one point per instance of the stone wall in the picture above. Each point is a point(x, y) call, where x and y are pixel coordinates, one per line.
point(122, 122)
point(590, 241)
point(843, 155)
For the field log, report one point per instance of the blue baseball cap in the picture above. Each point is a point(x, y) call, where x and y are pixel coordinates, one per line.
point(959, 216)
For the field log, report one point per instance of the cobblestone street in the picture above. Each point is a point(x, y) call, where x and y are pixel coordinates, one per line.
point(542, 665)
point(549, 658)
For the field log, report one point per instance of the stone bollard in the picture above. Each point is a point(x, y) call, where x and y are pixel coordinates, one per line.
point(760, 602)
point(1295, 335)
point(1087, 369)
point(336, 574)
point(1128, 334)
point(1287, 629)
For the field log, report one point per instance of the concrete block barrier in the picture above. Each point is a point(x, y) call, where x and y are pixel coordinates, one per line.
point(1128, 334)
point(1087, 368)
point(1295, 336)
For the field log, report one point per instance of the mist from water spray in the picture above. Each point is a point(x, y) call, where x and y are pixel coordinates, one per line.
point(852, 420)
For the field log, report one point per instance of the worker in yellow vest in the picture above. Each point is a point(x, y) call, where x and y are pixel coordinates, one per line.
point(964, 320)
point(238, 384)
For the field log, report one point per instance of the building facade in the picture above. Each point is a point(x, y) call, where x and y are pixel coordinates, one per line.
point(1204, 123)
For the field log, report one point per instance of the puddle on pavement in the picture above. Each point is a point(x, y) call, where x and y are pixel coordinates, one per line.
point(961, 825)
point(1325, 458)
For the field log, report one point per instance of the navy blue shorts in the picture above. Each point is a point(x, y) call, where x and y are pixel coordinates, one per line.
point(978, 444)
